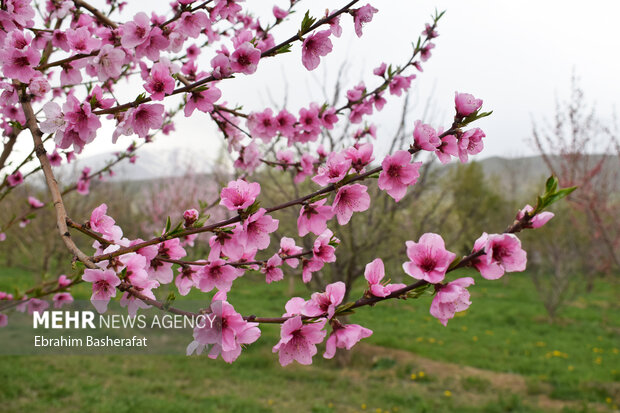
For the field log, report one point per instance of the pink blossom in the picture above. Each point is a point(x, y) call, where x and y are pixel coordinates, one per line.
point(34, 202)
point(15, 179)
point(286, 123)
point(447, 148)
point(451, 298)
point(146, 117)
point(466, 104)
point(306, 162)
point(145, 286)
point(315, 46)
point(470, 143)
point(239, 194)
point(308, 267)
point(221, 65)
point(502, 253)
point(325, 302)
point(298, 341)
point(225, 330)
point(425, 52)
point(39, 86)
point(2, 236)
point(61, 299)
point(54, 158)
point(323, 250)
point(399, 83)
point(245, 58)
point(109, 62)
point(309, 119)
point(249, 157)
point(398, 173)
point(256, 230)
point(272, 269)
point(191, 24)
point(154, 44)
point(37, 306)
point(287, 249)
point(334, 24)
point(362, 16)
point(18, 62)
point(55, 119)
point(344, 336)
point(159, 83)
point(329, 118)
point(334, 170)
point(380, 71)
point(285, 157)
point(81, 125)
point(217, 275)
point(104, 287)
point(63, 281)
point(294, 307)
point(135, 32)
point(313, 218)
point(203, 101)
point(96, 100)
point(187, 278)
point(263, 125)
point(161, 271)
point(374, 273)
point(81, 40)
point(537, 220)
point(4, 320)
point(226, 243)
point(360, 156)
point(425, 137)
point(279, 13)
point(20, 11)
point(429, 258)
point(349, 199)
point(100, 222)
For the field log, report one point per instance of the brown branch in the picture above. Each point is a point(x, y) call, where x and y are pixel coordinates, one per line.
point(52, 184)
point(95, 12)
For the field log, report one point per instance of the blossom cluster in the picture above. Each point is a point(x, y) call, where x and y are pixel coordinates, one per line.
point(45, 70)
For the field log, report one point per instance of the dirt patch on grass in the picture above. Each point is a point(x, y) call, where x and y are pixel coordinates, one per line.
point(487, 385)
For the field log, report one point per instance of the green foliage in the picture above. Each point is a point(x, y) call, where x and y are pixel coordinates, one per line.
point(512, 333)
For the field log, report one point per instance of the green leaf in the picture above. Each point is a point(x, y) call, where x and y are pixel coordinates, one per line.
point(178, 228)
point(344, 307)
point(169, 300)
point(562, 193)
point(168, 224)
point(317, 198)
point(252, 208)
point(284, 49)
point(551, 185)
point(417, 292)
point(307, 22)
point(16, 125)
point(455, 262)
point(200, 222)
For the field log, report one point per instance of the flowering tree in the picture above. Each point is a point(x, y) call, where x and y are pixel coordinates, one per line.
point(60, 74)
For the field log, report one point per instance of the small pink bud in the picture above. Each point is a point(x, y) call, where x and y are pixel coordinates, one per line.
point(190, 216)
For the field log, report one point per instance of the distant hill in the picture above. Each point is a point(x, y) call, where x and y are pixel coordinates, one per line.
point(516, 174)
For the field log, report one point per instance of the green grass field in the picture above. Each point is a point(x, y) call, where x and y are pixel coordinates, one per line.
point(502, 355)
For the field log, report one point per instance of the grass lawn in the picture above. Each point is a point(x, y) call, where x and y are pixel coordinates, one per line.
point(501, 355)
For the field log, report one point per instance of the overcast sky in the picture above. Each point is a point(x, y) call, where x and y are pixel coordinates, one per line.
point(517, 56)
